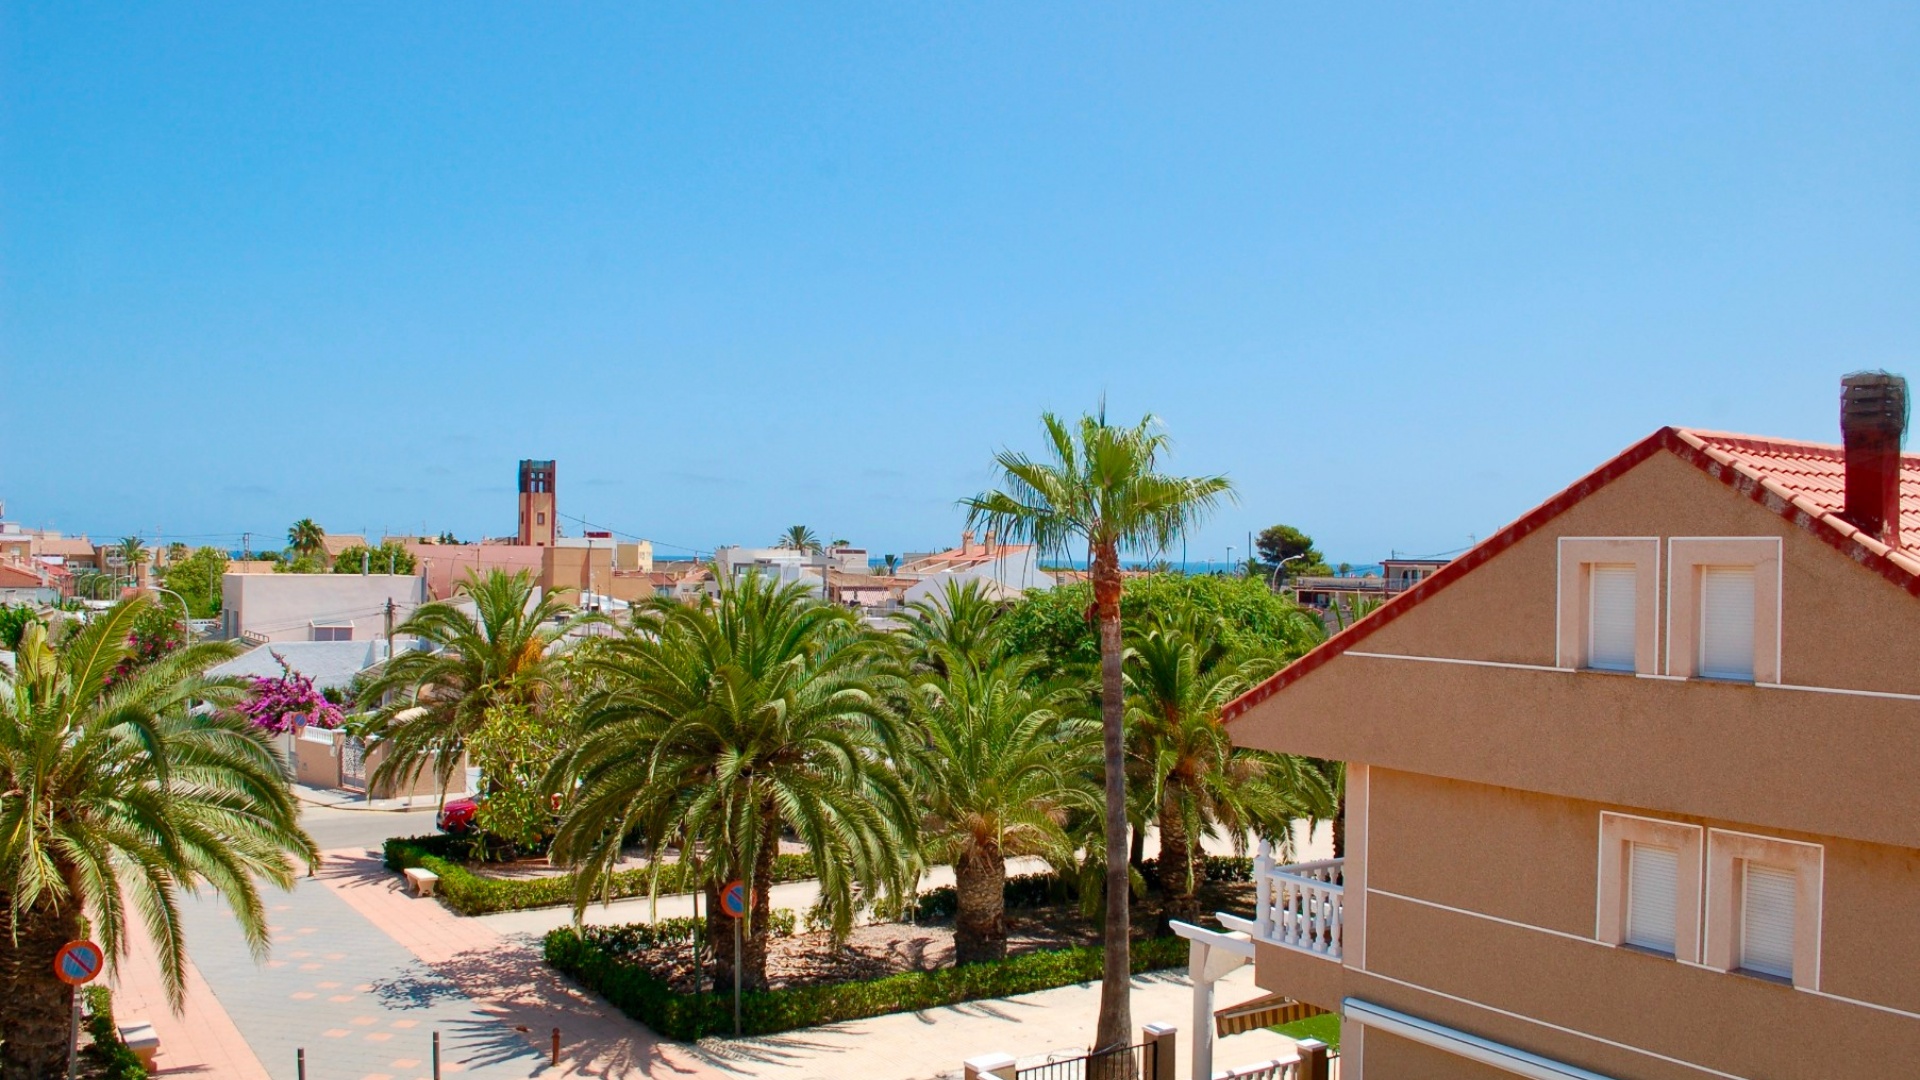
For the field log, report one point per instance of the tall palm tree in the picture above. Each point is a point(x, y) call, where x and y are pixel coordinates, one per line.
point(133, 554)
point(1099, 485)
point(306, 537)
point(1194, 779)
point(719, 726)
point(113, 802)
point(1004, 765)
point(957, 625)
point(439, 697)
point(799, 538)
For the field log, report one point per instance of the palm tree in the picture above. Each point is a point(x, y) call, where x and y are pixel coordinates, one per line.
point(1004, 766)
point(1100, 486)
point(798, 538)
point(133, 554)
point(306, 537)
point(114, 801)
point(956, 626)
point(718, 726)
point(892, 562)
point(1194, 779)
point(500, 655)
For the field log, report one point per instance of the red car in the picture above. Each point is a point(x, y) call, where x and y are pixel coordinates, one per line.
point(456, 816)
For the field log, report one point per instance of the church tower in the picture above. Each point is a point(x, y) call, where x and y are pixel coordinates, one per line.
point(537, 506)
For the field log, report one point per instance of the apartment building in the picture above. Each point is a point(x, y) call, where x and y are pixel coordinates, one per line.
point(1633, 787)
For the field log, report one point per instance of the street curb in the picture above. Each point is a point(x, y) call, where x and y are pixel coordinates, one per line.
point(362, 808)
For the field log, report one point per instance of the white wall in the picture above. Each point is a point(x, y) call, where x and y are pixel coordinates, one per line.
point(284, 607)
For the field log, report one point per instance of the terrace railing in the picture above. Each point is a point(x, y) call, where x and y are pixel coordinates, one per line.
point(1300, 905)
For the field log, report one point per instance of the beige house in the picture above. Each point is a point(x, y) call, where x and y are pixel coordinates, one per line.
point(1634, 786)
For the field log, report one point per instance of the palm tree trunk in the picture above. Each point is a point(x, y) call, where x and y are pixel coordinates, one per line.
point(760, 937)
point(1116, 1012)
point(719, 942)
point(980, 922)
point(1340, 825)
point(1176, 858)
point(33, 1025)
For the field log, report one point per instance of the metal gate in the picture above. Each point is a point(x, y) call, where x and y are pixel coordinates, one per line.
point(353, 761)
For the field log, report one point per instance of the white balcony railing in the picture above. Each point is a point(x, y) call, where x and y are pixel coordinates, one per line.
point(1299, 905)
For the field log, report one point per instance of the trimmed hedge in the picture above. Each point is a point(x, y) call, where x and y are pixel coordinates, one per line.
point(470, 893)
point(1040, 890)
point(649, 999)
point(117, 1061)
point(626, 938)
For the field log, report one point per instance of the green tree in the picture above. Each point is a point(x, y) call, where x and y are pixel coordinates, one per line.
point(391, 557)
point(798, 538)
point(513, 749)
point(1284, 545)
point(719, 725)
point(1100, 485)
point(1253, 619)
point(1005, 764)
point(14, 621)
point(133, 555)
point(112, 803)
point(1196, 781)
point(439, 697)
point(306, 537)
point(196, 577)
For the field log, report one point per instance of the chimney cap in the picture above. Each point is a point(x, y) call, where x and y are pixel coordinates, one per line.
point(1873, 403)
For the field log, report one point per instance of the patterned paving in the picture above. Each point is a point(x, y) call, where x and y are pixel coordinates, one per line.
point(362, 1006)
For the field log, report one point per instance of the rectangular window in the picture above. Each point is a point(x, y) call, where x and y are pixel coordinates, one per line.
point(1612, 624)
point(540, 518)
point(1767, 920)
point(1726, 622)
point(333, 633)
point(1653, 890)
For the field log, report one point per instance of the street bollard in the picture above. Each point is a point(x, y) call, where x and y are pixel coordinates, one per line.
point(556, 1046)
point(301, 1061)
point(436, 1056)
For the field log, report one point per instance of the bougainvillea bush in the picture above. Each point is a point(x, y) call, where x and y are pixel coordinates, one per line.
point(155, 634)
point(280, 703)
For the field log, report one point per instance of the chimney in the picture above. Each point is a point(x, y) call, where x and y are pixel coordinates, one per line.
point(1873, 419)
point(990, 541)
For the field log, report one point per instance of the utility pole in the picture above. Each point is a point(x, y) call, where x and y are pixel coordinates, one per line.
point(246, 547)
point(389, 628)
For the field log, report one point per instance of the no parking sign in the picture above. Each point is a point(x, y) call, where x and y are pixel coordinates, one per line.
point(78, 962)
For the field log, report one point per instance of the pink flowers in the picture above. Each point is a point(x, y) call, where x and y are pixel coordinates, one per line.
point(284, 702)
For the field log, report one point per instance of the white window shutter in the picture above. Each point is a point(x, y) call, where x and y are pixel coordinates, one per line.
point(1726, 622)
point(1653, 896)
point(1611, 622)
point(1766, 920)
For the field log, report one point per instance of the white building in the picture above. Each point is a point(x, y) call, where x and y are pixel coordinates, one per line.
point(1008, 569)
point(316, 607)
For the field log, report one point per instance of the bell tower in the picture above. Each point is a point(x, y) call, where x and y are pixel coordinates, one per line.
point(537, 506)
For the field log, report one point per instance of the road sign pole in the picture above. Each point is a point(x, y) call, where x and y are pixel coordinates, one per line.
point(739, 960)
point(73, 1034)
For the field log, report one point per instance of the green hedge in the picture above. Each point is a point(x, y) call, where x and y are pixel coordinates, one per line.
point(1040, 890)
point(117, 1061)
point(650, 1000)
point(470, 893)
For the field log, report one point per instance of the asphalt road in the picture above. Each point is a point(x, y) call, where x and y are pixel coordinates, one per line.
point(332, 828)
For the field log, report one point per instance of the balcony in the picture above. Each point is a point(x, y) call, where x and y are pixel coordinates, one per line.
point(1299, 906)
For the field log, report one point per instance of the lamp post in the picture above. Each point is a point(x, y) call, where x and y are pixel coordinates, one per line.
point(1274, 581)
point(186, 613)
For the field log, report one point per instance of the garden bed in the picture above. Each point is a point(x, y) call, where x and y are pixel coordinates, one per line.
point(679, 1014)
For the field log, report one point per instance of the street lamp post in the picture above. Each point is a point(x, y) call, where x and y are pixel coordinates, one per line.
point(1274, 581)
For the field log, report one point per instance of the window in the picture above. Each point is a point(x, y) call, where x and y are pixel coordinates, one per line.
point(1609, 599)
point(333, 633)
point(540, 518)
point(1610, 617)
point(1723, 608)
point(1763, 906)
point(1653, 882)
point(1766, 920)
point(1726, 622)
point(1650, 885)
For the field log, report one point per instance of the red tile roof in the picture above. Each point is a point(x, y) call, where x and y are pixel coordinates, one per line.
point(958, 559)
point(1802, 482)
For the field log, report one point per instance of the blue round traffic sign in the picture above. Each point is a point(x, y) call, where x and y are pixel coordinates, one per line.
point(78, 962)
point(733, 899)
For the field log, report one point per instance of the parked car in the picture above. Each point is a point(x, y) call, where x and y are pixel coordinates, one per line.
point(456, 816)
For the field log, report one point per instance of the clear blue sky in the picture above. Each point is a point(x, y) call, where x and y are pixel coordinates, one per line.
point(1402, 274)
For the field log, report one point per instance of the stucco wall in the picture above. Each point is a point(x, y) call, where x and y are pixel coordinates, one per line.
point(447, 565)
point(284, 607)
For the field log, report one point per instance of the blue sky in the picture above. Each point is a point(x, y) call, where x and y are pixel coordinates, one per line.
point(1402, 273)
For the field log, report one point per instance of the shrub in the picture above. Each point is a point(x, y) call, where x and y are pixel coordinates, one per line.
point(1040, 890)
point(649, 999)
point(469, 893)
point(117, 1061)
